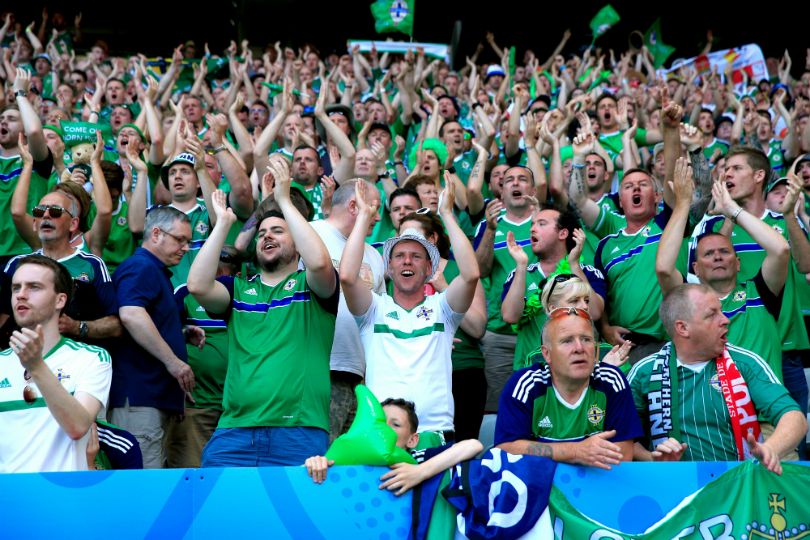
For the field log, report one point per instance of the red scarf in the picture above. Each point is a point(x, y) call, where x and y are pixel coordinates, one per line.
point(740, 407)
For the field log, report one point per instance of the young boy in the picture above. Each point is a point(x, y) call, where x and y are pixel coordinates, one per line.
point(401, 417)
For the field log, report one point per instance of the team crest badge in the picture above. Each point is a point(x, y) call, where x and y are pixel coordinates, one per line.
point(122, 221)
point(202, 228)
point(83, 277)
point(290, 285)
point(714, 382)
point(739, 296)
point(777, 526)
point(595, 414)
point(778, 229)
point(647, 231)
point(424, 313)
point(60, 376)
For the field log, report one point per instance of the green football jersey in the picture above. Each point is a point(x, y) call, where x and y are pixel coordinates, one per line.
point(121, 243)
point(790, 322)
point(702, 414)
point(502, 266)
point(10, 170)
point(275, 378)
point(715, 145)
point(627, 261)
point(466, 353)
point(751, 326)
point(200, 228)
point(211, 363)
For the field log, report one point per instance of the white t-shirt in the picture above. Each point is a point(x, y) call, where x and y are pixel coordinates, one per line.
point(31, 440)
point(347, 350)
point(408, 355)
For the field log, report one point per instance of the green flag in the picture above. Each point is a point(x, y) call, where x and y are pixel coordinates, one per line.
point(393, 16)
point(603, 20)
point(659, 50)
point(746, 502)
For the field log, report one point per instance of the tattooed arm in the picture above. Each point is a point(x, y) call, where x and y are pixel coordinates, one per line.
point(577, 194)
point(595, 451)
point(702, 195)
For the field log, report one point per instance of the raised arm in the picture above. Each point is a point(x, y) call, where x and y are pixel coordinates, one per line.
point(100, 230)
point(588, 209)
point(475, 182)
point(320, 270)
point(777, 251)
point(485, 250)
point(241, 196)
point(202, 283)
point(345, 168)
point(357, 294)
point(23, 221)
point(799, 244)
point(461, 291)
point(30, 119)
point(671, 239)
point(515, 300)
point(136, 213)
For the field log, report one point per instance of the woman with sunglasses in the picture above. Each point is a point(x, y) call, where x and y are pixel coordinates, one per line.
point(568, 287)
point(469, 383)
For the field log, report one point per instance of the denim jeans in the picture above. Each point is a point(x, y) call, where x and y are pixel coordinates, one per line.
point(264, 446)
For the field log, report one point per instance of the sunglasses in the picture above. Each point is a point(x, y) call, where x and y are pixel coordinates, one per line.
point(561, 312)
point(52, 210)
point(558, 279)
point(422, 211)
point(29, 393)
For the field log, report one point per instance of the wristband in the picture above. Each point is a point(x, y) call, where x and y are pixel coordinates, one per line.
point(736, 214)
point(451, 169)
point(20, 93)
point(84, 330)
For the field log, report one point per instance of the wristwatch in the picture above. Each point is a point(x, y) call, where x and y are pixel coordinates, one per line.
point(83, 329)
point(20, 93)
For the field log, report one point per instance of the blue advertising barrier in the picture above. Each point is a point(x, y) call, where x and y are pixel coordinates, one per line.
point(284, 503)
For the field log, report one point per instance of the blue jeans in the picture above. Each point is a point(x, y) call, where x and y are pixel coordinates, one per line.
point(796, 384)
point(264, 446)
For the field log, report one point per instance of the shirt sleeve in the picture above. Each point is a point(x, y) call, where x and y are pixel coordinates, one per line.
point(96, 377)
point(228, 282)
point(447, 312)
point(621, 412)
point(596, 280)
point(105, 290)
point(770, 397)
point(366, 320)
point(514, 415)
point(330, 304)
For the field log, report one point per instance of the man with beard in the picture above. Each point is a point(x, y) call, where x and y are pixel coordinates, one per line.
point(281, 323)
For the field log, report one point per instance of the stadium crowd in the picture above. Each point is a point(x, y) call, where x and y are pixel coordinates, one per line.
point(580, 256)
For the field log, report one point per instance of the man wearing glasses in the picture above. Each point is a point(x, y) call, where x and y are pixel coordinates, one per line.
point(151, 373)
point(570, 409)
point(51, 388)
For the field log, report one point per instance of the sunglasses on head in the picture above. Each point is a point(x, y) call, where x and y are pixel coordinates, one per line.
point(53, 210)
point(558, 279)
point(561, 312)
